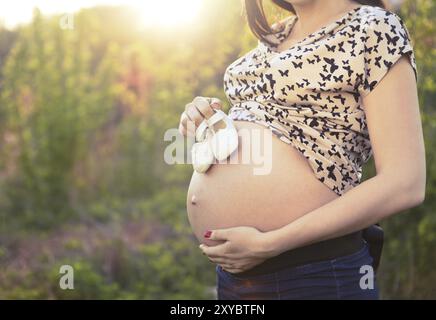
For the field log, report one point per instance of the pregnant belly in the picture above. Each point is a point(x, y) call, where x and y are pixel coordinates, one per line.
point(266, 191)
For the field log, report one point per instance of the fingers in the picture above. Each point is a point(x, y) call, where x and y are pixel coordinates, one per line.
point(216, 103)
point(229, 267)
point(215, 251)
point(220, 234)
point(218, 260)
point(231, 270)
point(193, 113)
point(203, 106)
point(182, 129)
point(186, 125)
point(196, 111)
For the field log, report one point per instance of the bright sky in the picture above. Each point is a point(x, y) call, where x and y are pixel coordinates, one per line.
point(153, 12)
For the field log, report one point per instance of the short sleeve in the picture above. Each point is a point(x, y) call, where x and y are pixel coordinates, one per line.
point(385, 42)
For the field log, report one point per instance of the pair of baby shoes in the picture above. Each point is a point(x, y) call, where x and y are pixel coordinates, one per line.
point(216, 138)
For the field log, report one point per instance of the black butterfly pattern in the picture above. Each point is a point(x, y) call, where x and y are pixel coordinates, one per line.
point(298, 65)
point(284, 73)
point(311, 96)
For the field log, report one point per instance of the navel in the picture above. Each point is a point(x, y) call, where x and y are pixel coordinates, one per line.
point(193, 199)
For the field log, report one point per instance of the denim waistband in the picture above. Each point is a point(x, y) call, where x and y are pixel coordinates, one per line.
point(323, 250)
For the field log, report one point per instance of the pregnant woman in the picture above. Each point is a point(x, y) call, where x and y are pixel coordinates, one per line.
point(330, 86)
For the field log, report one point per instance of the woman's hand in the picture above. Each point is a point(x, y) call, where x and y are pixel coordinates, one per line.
point(242, 249)
point(195, 112)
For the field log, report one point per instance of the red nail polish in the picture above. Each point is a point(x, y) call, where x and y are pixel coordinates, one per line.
point(207, 234)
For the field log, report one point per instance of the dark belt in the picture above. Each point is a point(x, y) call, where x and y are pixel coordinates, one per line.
point(323, 250)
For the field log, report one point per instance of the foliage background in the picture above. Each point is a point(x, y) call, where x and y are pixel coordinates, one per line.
point(82, 177)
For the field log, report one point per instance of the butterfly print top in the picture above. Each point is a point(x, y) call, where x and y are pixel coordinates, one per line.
point(310, 95)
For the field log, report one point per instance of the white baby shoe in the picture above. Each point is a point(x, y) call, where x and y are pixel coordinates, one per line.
point(225, 138)
point(202, 155)
point(217, 138)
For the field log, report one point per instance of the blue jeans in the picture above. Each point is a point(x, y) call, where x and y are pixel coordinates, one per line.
point(345, 277)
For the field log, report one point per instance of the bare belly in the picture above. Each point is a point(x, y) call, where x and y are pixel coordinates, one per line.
point(282, 189)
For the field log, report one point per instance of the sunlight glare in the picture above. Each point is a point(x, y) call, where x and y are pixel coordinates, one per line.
point(168, 13)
